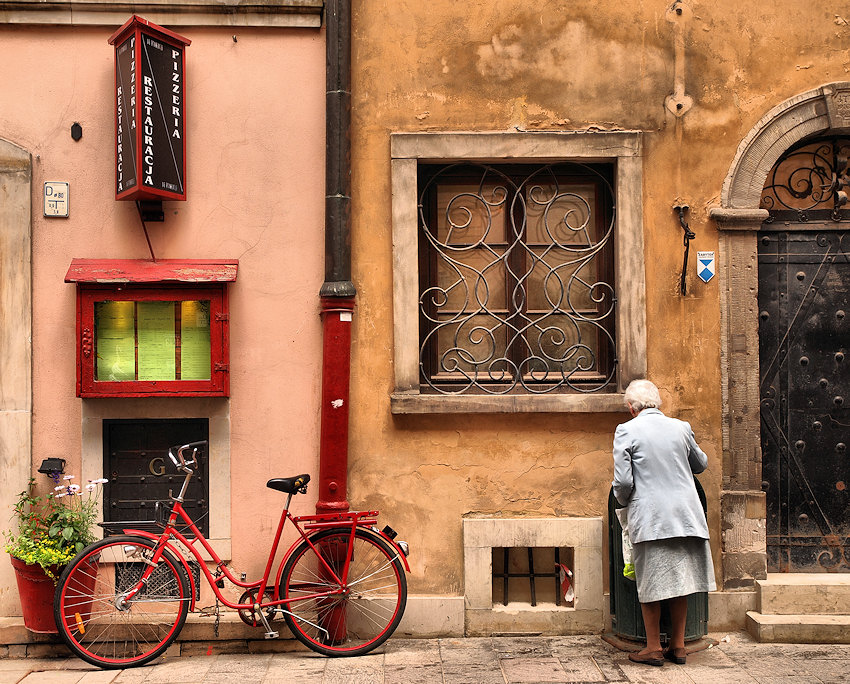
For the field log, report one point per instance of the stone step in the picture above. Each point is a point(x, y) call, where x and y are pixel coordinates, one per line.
point(799, 629)
point(804, 593)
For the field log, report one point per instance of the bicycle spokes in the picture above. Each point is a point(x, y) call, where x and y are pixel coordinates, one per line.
point(111, 617)
point(353, 617)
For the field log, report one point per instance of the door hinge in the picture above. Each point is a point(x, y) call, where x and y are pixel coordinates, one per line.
point(223, 367)
point(222, 316)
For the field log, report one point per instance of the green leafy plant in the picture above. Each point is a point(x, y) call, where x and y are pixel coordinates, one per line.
point(54, 528)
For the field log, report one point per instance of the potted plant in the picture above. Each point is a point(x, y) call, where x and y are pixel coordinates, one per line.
point(50, 530)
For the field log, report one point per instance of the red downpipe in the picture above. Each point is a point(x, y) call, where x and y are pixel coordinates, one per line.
point(338, 292)
point(336, 371)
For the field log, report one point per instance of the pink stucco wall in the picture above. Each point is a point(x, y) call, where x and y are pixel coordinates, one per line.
point(255, 176)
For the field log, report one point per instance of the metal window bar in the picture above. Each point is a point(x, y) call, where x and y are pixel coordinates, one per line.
point(809, 182)
point(480, 331)
point(531, 575)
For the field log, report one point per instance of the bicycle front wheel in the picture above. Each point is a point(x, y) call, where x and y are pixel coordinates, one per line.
point(363, 612)
point(97, 620)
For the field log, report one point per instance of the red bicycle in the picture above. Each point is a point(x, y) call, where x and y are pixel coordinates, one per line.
point(341, 587)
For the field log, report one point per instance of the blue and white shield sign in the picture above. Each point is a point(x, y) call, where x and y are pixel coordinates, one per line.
point(706, 266)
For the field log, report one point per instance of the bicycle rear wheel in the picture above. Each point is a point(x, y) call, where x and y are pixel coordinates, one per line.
point(372, 603)
point(101, 628)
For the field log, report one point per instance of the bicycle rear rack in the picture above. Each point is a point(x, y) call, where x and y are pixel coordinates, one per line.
point(322, 520)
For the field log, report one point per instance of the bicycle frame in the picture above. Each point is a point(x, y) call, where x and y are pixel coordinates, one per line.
point(311, 523)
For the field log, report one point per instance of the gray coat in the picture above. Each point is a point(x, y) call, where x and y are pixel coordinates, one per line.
point(654, 458)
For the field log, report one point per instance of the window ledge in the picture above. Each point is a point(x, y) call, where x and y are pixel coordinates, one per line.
point(414, 402)
point(259, 13)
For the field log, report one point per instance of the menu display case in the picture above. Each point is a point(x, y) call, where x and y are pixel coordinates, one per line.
point(151, 334)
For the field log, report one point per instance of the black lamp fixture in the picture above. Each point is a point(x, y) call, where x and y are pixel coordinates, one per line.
point(52, 466)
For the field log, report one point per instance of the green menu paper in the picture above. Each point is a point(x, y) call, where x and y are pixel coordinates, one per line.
point(195, 340)
point(156, 341)
point(115, 339)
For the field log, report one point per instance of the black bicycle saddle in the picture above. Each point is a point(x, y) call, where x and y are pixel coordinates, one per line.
point(288, 485)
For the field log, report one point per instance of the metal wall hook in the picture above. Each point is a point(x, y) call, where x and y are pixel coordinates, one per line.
point(683, 209)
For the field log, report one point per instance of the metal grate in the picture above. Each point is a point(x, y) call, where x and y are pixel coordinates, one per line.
point(516, 278)
point(809, 182)
point(161, 582)
point(542, 579)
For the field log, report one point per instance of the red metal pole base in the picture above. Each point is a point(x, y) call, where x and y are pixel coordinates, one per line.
point(336, 372)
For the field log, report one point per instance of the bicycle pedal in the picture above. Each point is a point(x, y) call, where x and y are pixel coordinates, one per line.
point(272, 635)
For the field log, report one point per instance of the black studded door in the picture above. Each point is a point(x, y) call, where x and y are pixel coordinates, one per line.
point(804, 340)
point(135, 460)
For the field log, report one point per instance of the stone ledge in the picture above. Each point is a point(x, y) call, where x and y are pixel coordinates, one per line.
point(537, 620)
point(416, 403)
point(804, 593)
point(799, 629)
point(424, 617)
point(427, 617)
point(727, 610)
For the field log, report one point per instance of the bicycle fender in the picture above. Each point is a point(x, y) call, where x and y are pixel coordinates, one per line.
point(383, 537)
point(155, 537)
point(392, 543)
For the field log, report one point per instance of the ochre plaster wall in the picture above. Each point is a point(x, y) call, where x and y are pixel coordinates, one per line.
point(255, 176)
point(556, 65)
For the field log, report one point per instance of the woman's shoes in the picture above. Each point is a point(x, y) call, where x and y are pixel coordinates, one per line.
point(652, 658)
point(676, 655)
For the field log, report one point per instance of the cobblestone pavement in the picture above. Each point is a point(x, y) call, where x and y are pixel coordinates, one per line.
point(497, 660)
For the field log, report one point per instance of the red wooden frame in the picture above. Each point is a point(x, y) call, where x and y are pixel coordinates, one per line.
point(216, 293)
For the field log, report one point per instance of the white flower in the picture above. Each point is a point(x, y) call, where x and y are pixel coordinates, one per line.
point(91, 487)
point(73, 489)
point(59, 488)
point(59, 496)
point(102, 480)
point(68, 477)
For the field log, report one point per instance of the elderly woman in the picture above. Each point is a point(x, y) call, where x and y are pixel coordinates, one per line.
point(654, 461)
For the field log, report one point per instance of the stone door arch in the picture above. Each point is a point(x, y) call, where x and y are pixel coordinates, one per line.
point(817, 112)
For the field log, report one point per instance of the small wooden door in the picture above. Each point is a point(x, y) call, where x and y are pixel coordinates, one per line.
point(135, 460)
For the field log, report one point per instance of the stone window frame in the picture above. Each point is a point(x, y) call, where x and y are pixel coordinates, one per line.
point(583, 535)
point(216, 410)
point(624, 150)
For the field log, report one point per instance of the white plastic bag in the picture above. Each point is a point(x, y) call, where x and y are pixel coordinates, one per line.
point(628, 566)
point(566, 582)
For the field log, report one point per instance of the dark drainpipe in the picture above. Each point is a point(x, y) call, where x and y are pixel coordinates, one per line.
point(337, 293)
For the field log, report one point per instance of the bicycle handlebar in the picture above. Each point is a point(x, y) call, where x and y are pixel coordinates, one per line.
point(180, 461)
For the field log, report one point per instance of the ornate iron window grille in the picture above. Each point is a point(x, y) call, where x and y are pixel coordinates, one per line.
point(809, 181)
point(473, 338)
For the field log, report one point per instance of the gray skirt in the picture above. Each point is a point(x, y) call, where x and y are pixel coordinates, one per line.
point(667, 568)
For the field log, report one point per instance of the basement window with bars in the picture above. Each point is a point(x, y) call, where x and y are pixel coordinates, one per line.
point(530, 575)
point(516, 268)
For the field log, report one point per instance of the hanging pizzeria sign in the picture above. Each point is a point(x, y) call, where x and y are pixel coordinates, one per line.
point(150, 109)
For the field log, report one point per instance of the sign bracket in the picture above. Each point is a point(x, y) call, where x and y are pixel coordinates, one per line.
point(151, 211)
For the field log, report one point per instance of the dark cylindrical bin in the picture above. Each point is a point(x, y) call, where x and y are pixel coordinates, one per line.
point(626, 616)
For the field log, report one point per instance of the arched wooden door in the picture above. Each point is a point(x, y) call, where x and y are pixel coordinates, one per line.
point(804, 343)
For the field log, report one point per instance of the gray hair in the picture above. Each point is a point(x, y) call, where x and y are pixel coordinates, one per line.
point(642, 394)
